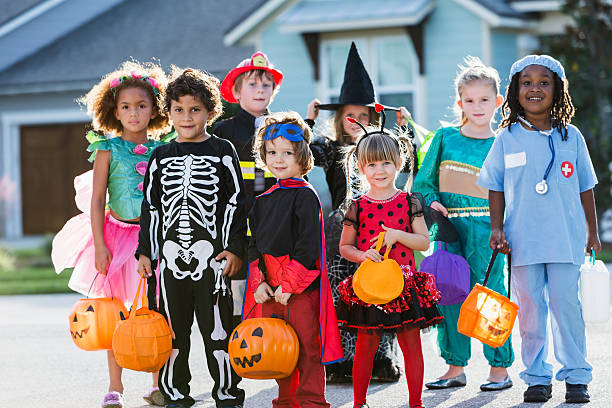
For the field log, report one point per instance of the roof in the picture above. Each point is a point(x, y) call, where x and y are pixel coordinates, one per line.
point(320, 16)
point(185, 33)
point(528, 6)
point(35, 27)
point(336, 15)
point(11, 8)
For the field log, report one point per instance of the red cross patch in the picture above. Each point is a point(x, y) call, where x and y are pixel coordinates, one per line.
point(567, 169)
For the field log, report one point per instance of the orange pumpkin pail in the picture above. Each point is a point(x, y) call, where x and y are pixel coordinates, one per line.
point(143, 342)
point(263, 348)
point(378, 283)
point(92, 322)
point(486, 315)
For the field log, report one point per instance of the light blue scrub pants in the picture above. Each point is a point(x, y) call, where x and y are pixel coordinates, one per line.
point(537, 289)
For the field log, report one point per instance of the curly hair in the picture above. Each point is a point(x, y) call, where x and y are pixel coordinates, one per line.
point(377, 145)
point(562, 110)
point(303, 155)
point(199, 84)
point(101, 101)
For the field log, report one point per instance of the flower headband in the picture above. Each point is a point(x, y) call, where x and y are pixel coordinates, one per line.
point(115, 82)
point(287, 130)
point(543, 60)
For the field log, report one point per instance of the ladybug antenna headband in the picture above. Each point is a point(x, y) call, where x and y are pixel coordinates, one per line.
point(289, 131)
point(115, 82)
point(379, 109)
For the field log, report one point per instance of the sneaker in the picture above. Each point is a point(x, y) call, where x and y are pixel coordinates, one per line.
point(576, 393)
point(154, 397)
point(113, 399)
point(538, 393)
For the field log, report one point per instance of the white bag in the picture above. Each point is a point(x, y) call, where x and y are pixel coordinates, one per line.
point(594, 291)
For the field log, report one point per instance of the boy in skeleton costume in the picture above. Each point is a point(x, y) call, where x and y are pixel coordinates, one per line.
point(194, 224)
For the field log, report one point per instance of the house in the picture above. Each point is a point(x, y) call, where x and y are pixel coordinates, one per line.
point(53, 51)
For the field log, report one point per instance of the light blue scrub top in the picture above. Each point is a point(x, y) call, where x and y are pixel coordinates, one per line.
point(548, 228)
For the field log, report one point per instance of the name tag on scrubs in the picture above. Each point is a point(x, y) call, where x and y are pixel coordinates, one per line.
point(515, 160)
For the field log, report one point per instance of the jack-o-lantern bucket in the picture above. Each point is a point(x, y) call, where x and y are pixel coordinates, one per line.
point(264, 348)
point(486, 315)
point(143, 342)
point(92, 322)
point(378, 283)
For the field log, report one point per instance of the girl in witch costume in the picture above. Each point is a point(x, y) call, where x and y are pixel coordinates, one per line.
point(287, 271)
point(356, 101)
point(447, 180)
point(378, 156)
point(99, 243)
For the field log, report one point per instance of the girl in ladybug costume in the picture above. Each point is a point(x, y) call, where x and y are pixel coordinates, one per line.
point(379, 155)
point(287, 275)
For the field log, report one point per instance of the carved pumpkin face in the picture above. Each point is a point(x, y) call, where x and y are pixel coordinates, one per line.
point(92, 322)
point(263, 348)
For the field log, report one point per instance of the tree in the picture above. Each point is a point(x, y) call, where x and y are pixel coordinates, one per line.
point(585, 50)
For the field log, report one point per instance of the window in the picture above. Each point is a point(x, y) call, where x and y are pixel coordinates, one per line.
point(390, 61)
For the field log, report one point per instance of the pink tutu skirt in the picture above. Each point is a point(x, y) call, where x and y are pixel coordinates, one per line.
point(73, 247)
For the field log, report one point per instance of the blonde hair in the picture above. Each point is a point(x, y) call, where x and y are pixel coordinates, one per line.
point(199, 84)
point(301, 149)
point(474, 70)
point(376, 146)
point(339, 134)
point(101, 100)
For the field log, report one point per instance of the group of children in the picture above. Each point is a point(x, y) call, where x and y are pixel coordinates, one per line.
point(226, 222)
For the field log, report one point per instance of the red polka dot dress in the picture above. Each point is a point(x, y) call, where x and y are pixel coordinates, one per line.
point(416, 306)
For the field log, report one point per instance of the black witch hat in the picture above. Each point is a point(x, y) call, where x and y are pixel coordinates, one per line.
point(357, 88)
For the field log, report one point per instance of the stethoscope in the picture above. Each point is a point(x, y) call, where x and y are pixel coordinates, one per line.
point(542, 186)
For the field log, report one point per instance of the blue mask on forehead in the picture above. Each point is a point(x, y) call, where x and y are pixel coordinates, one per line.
point(287, 130)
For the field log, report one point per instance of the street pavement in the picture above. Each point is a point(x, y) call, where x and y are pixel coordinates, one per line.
point(41, 367)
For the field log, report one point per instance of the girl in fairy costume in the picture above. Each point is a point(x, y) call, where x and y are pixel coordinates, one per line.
point(100, 243)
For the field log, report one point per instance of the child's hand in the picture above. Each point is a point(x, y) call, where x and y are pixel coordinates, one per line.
point(103, 259)
point(593, 243)
point(233, 265)
point(313, 110)
point(498, 241)
point(391, 237)
point(402, 116)
point(372, 254)
point(436, 205)
point(280, 297)
point(144, 266)
point(263, 293)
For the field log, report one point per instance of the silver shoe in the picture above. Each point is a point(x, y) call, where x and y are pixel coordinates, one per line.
point(497, 386)
point(458, 381)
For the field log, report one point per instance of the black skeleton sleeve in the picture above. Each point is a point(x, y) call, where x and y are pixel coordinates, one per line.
point(149, 213)
point(237, 242)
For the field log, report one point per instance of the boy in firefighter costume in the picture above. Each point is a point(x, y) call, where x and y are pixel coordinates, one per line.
point(252, 84)
point(287, 274)
point(193, 222)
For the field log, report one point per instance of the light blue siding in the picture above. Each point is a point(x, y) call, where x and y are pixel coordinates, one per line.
point(287, 51)
point(504, 51)
point(451, 33)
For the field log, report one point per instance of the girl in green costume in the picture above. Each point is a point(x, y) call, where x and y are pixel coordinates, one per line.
point(447, 180)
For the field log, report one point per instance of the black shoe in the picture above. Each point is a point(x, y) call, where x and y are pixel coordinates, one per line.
point(385, 370)
point(576, 393)
point(538, 393)
point(458, 381)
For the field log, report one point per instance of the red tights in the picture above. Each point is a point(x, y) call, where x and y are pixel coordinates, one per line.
point(367, 342)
